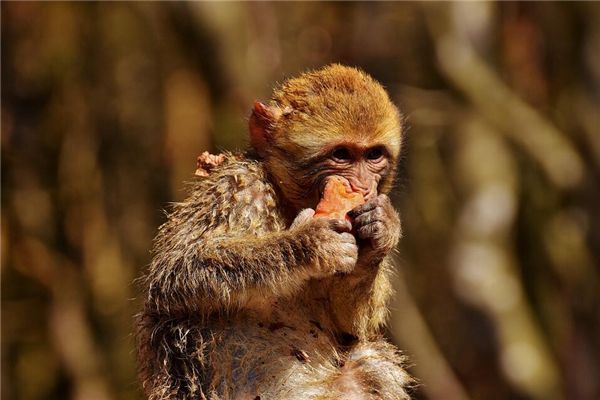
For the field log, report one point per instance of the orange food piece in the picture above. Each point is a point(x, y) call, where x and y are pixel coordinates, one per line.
point(337, 201)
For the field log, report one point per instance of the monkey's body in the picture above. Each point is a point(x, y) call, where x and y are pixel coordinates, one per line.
point(249, 298)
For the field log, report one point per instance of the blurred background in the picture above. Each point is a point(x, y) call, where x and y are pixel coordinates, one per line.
point(105, 107)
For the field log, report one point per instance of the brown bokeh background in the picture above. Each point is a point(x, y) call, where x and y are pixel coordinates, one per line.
point(105, 107)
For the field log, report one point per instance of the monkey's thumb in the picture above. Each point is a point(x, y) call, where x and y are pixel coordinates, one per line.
point(303, 217)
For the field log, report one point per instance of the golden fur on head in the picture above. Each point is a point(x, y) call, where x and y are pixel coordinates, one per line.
point(317, 111)
point(337, 103)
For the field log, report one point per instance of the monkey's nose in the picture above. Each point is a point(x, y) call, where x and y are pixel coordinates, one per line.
point(365, 191)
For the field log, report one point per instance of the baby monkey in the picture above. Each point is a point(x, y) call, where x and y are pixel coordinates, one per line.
point(251, 297)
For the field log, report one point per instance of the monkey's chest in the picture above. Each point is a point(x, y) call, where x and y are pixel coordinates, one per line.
point(282, 329)
point(253, 354)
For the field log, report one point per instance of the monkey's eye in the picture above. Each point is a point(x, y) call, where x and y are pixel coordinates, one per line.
point(374, 154)
point(341, 154)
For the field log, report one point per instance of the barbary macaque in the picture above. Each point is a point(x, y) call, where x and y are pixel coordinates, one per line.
point(249, 295)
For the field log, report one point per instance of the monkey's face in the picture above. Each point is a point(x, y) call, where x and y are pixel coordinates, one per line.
point(301, 163)
point(335, 121)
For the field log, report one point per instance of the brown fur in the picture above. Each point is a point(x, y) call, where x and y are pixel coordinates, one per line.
point(246, 300)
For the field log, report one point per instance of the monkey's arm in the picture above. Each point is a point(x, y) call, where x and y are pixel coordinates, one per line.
point(359, 299)
point(226, 242)
point(218, 273)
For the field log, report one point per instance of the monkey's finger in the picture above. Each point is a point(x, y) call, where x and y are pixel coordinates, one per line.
point(362, 209)
point(303, 217)
point(370, 230)
point(340, 225)
point(368, 217)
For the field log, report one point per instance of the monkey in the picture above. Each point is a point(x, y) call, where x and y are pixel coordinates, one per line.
point(247, 295)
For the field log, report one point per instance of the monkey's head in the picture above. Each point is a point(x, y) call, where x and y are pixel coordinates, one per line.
point(333, 121)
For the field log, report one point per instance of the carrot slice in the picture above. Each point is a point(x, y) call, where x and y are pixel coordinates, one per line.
point(337, 201)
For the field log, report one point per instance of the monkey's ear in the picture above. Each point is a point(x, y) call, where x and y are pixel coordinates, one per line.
point(262, 124)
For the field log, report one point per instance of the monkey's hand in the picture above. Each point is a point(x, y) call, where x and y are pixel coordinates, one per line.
point(377, 225)
point(333, 248)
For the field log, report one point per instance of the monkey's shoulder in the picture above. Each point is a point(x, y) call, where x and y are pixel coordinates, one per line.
point(238, 178)
point(236, 195)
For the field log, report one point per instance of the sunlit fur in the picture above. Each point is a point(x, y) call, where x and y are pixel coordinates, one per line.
point(242, 306)
point(336, 104)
